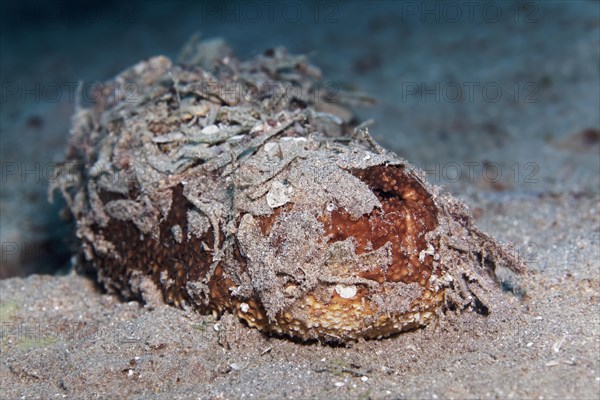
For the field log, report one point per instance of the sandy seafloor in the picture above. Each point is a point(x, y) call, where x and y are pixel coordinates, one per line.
point(62, 337)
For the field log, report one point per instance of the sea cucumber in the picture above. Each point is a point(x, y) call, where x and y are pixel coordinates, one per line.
point(246, 187)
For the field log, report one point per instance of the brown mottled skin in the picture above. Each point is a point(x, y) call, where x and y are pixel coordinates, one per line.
point(264, 209)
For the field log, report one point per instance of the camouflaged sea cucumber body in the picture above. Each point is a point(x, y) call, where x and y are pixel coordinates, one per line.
point(227, 196)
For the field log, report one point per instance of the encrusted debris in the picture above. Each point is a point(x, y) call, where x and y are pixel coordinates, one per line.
point(245, 187)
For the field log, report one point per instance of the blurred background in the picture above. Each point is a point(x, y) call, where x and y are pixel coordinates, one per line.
point(493, 99)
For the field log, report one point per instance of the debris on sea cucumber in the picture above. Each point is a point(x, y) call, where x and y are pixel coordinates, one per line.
point(240, 187)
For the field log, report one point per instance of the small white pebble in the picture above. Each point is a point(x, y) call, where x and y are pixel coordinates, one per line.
point(210, 129)
point(364, 378)
point(346, 292)
point(339, 384)
point(244, 307)
point(279, 194)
